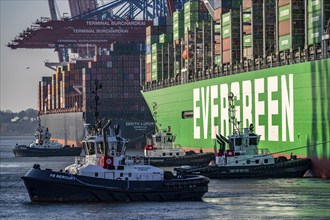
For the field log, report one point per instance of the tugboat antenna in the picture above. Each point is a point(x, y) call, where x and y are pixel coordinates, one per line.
point(232, 112)
point(97, 86)
point(154, 114)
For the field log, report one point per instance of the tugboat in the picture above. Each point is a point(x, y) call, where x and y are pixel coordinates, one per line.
point(163, 152)
point(243, 159)
point(107, 174)
point(44, 147)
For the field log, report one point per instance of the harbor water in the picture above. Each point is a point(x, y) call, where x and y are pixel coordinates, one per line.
point(301, 198)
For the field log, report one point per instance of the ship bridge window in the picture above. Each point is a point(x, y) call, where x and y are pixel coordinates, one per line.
point(90, 148)
point(99, 148)
point(158, 139)
point(253, 141)
point(238, 141)
point(187, 114)
point(169, 138)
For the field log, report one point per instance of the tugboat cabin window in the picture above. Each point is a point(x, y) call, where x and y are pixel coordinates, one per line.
point(248, 162)
point(257, 161)
point(158, 139)
point(89, 146)
point(253, 141)
point(99, 148)
point(266, 160)
point(238, 141)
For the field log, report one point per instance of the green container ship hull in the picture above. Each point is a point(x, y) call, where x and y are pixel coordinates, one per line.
point(288, 105)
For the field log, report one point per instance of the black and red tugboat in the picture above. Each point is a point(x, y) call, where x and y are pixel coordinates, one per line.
point(163, 152)
point(243, 158)
point(106, 173)
point(42, 146)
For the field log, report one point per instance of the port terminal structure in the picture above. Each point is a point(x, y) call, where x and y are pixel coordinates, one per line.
point(116, 21)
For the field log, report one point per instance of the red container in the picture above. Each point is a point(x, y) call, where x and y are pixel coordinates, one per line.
point(217, 49)
point(217, 38)
point(148, 67)
point(247, 4)
point(226, 56)
point(226, 44)
point(283, 2)
point(247, 29)
point(284, 27)
point(217, 14)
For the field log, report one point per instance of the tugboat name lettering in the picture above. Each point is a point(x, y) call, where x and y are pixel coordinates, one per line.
point(268, 103)
point(58, 176)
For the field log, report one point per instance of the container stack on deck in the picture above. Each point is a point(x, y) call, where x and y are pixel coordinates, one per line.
point(318, 15)
point(119, 74)
point(70, 88)
point(178, 30)
point(291, 26)
point(243, 35)
point(43, 93)
point(70, 94)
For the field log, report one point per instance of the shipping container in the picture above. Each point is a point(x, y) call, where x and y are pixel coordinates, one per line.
point(284, 12)
point(315, 5)
point(284, 27)
point(314, 35)
point(166, 38)
point(159, 21)
point(283, 2)
point(247, 41)
point(291, 25)
point(226, 44)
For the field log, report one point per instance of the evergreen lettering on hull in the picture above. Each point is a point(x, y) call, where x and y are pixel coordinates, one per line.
point(268, 103)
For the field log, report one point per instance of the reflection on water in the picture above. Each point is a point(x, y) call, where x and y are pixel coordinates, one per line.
point(227, 199)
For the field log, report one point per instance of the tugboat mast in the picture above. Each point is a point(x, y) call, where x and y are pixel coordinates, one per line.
point(97, 86)
point(154, 114)
point(232, 112)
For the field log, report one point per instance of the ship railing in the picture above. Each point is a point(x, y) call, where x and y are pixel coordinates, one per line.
point(272, 60)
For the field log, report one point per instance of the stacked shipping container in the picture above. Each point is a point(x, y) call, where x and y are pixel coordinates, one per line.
point(151, 38)
point(43, 103)
point(291, 25)
point(70, 88)
point(230, 24)
point(178, 33)
point(226, 32)
point(318, 16)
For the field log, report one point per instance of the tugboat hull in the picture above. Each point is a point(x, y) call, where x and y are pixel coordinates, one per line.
point(288, 169)
point(199, 159)
point(25, 151)
point(67, 187)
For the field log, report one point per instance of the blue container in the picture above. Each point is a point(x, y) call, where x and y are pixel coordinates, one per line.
point(159, 21)
point(148, 49)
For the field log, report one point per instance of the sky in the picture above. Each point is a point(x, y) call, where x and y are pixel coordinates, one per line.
point(19, 84)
